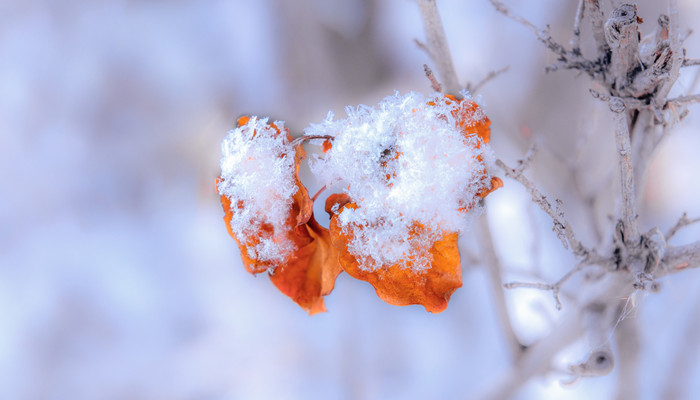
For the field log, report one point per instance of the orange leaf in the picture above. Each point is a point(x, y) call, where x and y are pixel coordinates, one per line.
point(401, 284)
point(471, 119)
point(310, 271)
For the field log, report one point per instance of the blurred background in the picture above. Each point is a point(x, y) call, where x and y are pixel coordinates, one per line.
point(118, 279)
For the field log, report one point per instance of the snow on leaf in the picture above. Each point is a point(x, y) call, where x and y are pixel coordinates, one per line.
point(290, 245)
point(415, 160)
point(402, 283)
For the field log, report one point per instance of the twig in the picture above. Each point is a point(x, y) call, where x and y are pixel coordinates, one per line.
point(554, 287)
point(424, 48)
point(682, 223)
point(576, 39)
point(525, 162)
point(679, 258)
point(624, 159)
point(694, 98)
point(494, 267)
point(566, 59)
point(475, 88)
point(313, 199)
point(622, 35)
point(677, 52)
point(562, 228)
point(431, 77)
point(687, 62)
point(437, 45)
point(597, 17)
point(304, 138)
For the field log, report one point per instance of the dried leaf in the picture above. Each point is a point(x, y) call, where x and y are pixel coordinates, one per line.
point(309, 272)
point(401, 284)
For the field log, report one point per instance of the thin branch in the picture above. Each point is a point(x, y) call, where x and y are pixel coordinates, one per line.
point(676, 49)
point(431, 77)
point(694, 98)
point(565, 59)
point(576, 39)
point(494, 267)
point(424, 47)
point(525, 162)
point(540, 33)
point(624, 159)
point(304, 138)
point(683, 221)
point(622, 35)
point(554, 287)
point(687, 62)
point(562, 228)
point(313, 199)
point(493, 74)
point(437, 45)
point(679, 258)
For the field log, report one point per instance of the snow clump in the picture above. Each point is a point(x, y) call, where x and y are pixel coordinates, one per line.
point(411, 171)
point(258, 176)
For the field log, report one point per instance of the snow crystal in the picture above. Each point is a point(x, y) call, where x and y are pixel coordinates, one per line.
point(405, 164)
point(258, 176)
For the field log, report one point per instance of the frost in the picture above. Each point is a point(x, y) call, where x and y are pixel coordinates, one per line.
point(258, 176)
point(409, 168)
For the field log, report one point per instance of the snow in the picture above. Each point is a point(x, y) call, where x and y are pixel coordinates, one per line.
point(257, 172)
point(406, 164)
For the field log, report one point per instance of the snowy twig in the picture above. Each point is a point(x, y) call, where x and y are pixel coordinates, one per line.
point(682, 223)
point(561, 226)
point(437, 46)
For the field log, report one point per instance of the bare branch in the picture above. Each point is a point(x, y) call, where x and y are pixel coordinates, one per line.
point(562, 228)
point(576, 39)
point(475, 88)
point(695, 98)
point(301, 139)
point(554, 287)
point(494, 267)
point(565, 59)
point(597, 17)
point(542, 34)
point(624, 159)
point(525, 162)
point(622, 35)
point(679, 258)
point(676, 51)
point(424, 48)
point(431, 77)
point(688, 62)
point(437, 43)
point(682, 223)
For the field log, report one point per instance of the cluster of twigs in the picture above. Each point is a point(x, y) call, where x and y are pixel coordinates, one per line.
point(636, 75)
